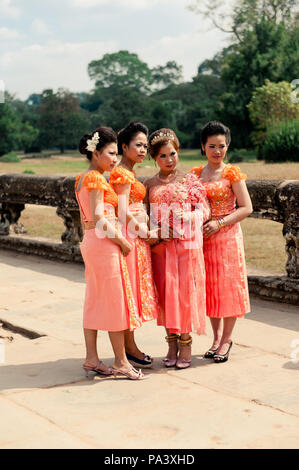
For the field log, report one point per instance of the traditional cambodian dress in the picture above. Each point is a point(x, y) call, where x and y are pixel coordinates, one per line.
point(109, 301)
point(139, 259)
point(178, 264)
point(226, 276)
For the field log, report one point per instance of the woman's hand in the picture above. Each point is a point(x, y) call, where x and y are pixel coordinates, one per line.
point(125, 247)
point(210, 227)
point(153, 237)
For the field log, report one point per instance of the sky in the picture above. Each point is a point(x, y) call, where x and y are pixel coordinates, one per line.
point(49, 43)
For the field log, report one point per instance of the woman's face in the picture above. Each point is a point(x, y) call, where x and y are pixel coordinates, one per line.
point(215, 148)
point(107, 157)
point(167, 158)
point(136, 150)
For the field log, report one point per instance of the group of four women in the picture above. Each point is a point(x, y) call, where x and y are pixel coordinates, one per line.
point(170, 249)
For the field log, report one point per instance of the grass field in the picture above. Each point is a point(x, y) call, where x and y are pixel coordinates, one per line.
point(73, 163)
point(264, 243)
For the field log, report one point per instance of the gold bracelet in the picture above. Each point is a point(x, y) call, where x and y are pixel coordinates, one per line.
point(221, 223)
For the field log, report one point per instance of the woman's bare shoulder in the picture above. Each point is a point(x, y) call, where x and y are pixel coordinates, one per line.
point(152, 181)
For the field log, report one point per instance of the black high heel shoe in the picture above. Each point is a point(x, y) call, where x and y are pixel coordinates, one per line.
point(223, 357)
point(210, 354)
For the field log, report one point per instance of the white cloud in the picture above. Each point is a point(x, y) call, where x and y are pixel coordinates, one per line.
point(6, 33)
point(135, 4)
point(188, 49)
point(56, 64)
point(8, 10)
point(40, 27)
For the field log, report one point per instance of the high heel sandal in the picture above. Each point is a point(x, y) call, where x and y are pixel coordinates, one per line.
point(223, 357)
point(171, 362)
point(139, 375)
point(210, 353)
point(145, 363)
point(182, 363)
point(89, 368)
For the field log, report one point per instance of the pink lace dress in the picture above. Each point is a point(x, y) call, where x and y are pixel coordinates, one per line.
point(226, 276)
point(109, 301)
point(178, 264)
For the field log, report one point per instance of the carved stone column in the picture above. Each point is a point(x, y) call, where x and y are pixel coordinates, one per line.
point(288, 197)
point(71, 218)
point(10, 214)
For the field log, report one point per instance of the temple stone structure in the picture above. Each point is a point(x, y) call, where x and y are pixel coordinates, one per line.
point(276, 200)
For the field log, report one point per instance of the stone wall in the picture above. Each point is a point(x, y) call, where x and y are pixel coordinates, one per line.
point(272, 199)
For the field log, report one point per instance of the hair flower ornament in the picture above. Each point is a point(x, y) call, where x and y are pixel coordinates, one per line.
point(92, 143)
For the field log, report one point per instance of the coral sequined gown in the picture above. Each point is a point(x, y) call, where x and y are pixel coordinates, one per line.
point(226, 276)
point(139, 259)
point(109, 300)
point(178, 264)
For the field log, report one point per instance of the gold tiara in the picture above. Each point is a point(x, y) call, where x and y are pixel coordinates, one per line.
point(160, 136)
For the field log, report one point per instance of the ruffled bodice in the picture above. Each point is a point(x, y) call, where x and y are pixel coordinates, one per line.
point(95, 180)
point(188, 191)
point(220, 194)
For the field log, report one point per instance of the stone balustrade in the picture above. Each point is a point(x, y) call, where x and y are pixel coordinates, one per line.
point(276, 200)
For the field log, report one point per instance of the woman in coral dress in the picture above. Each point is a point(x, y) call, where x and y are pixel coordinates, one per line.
point(226, 277)
point(132, 146)
point(108, 302)
point(177, 200)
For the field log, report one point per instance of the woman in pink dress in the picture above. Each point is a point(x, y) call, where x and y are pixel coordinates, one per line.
point(226, 278)
point(132, 146)
point(109, 303)
point(178, 264)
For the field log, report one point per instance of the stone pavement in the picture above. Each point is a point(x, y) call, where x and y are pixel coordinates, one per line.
point(252, 401)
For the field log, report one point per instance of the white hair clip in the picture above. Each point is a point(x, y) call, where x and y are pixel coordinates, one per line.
point(92, 143)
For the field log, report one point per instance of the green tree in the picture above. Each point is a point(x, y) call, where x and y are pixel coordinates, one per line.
point(28, 116)
point(121, 70)
point(240, 17)
point(271, 104)
point(166, 75)
point(193, 104)
point(262, 54)
point(8, 129)
point(61, 122)
point(122, 106)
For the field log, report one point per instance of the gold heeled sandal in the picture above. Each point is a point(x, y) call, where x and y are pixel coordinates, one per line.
point(171, 362)
point(182, 363)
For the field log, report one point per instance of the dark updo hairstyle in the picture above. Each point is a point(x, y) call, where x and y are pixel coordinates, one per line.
point(129, 132)
point(161, 137)
point(107, 136)
point(214, 128)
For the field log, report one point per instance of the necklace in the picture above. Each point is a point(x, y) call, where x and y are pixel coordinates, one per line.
point(210, 175)
point(167, 179)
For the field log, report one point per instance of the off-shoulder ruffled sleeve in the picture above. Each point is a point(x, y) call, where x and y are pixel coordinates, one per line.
point(94, 180)
point(196, 170)
point(120, 175)
point(233, 173)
